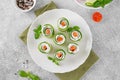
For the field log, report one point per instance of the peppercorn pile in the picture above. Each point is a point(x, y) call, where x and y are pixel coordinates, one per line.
point(25, 4)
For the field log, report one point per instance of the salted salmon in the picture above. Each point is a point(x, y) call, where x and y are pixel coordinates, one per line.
point(73, 48)
point(59, 39)
point(63, 23)
point(47, 31)
point(44, 47)
point(59, 54)
point(75, 34)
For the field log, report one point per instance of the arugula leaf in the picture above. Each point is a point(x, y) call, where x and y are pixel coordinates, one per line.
point(37, 32)
point(107, 1)
point(53, 60)
point(28, 75)
point(22, 73)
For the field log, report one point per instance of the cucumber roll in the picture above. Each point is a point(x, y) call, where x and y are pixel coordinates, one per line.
point(44, 47)
point(75, 35)
point(73, 48)
point(60, 54)
point(60, 39)
point(48, 30)
point(63, 24)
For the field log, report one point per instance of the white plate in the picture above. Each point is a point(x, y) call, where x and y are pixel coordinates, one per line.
point(71, 62)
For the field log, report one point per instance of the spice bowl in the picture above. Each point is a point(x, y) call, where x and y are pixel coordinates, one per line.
point(25, 5)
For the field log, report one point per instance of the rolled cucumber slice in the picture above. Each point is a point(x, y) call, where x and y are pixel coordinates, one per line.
point(73, 48)
point(60, 39)
point(75, 35)
point(44, 47)
point(63, 24)
point(60, 54)
point(48, 30)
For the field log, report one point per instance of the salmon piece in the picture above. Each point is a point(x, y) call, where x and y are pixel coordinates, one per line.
point(59, 54)
point(59, 39)
point(73, 48)
point(44, 47)
point(63, 23)
point(47, 31)
point(75, 34)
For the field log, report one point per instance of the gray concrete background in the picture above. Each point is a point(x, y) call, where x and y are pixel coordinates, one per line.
point(106, 41)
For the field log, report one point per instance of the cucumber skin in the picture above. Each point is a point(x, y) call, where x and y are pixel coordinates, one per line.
point(43, 51)
point(51, 35)
point(63, 55)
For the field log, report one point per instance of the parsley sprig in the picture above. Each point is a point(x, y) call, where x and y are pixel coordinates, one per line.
point(37, 31)
point(28, 75)
point(53, 60)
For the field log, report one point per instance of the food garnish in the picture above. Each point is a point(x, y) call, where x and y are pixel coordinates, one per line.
point(53, 60)
point(37, 31)
point(28, 75)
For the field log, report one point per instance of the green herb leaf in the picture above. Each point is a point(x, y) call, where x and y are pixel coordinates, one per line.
point(97, 4)
point(36, 35)
point(33, 76)
point(28, 75)
point(76, 27)
point(56, 62)
point(69, 29)
point(22, 73)
point(73, 28)
point(36, 78)
point(53, 60)
point(39, 27)
point(107, 1)
point(50, 58)
point(37, 32)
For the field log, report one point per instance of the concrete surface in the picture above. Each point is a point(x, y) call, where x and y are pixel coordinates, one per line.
point(106, 41)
